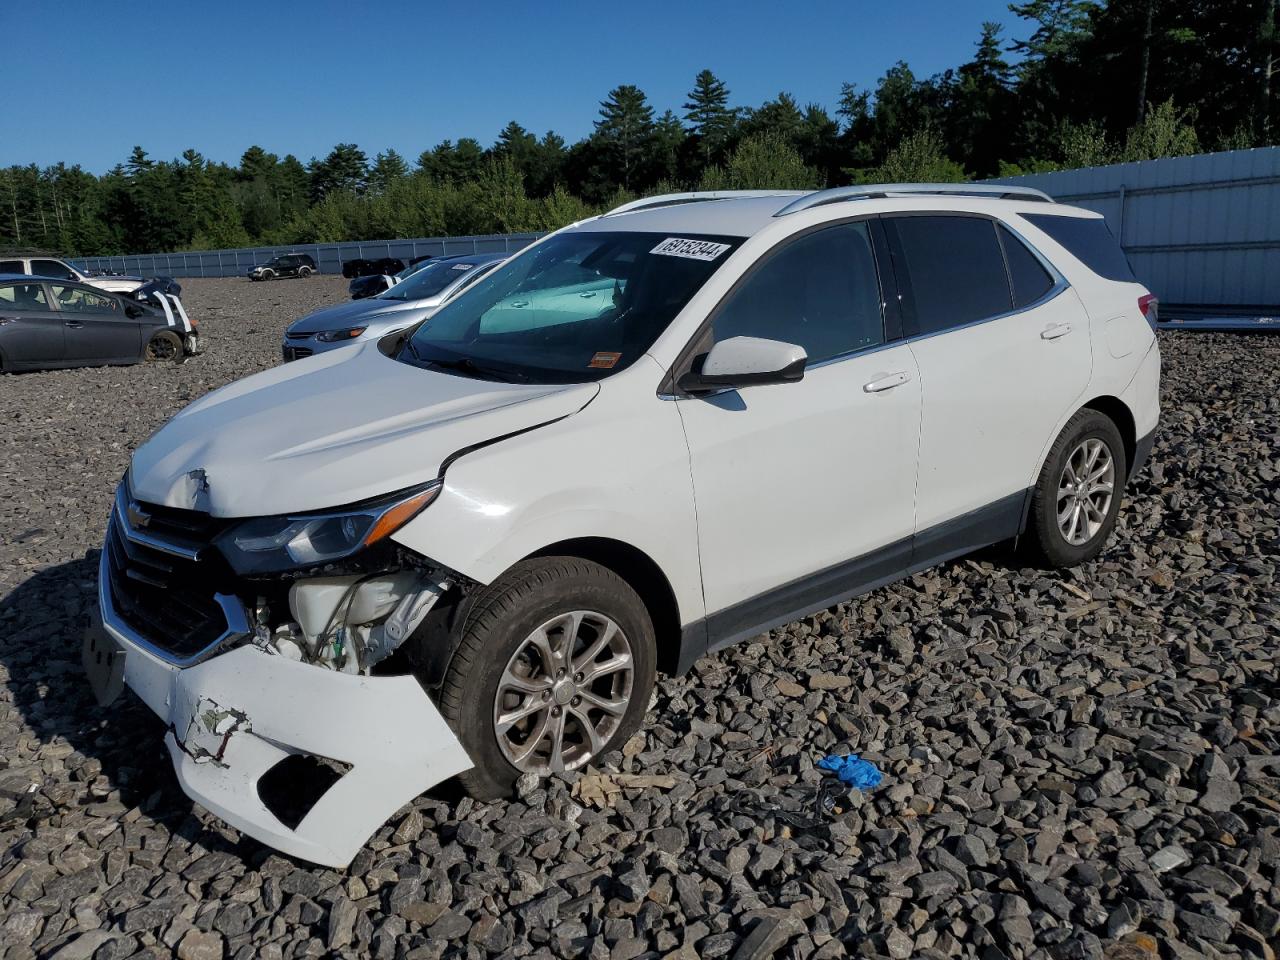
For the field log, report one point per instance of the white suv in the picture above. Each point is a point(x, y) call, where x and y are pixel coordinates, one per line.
point(467, 548)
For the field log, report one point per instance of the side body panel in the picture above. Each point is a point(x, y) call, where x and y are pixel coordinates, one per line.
point(617, 469)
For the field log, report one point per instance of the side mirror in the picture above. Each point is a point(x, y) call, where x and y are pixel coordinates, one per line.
point(72, 275)
point(133, 310)
point(745, 362)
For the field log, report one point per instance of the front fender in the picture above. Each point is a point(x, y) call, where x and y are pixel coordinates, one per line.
point(618, 469)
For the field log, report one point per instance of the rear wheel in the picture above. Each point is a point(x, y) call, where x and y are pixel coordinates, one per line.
point(304, 272)
point(164, 345)
point(1077, 497)
point(555, 667)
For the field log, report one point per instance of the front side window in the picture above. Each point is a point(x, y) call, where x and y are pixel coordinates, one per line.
point(577, 307)
point(80, 300)
point(950, 271)
point(820, 292)
point(23, 296)
point(12, 266)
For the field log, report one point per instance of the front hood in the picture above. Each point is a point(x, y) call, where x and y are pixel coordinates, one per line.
point(346, 314)
point(332, 429)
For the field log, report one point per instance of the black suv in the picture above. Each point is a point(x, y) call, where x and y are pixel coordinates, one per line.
point(288, 265)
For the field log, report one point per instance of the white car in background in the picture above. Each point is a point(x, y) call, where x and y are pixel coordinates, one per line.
point(55, 269)
point(467, 548)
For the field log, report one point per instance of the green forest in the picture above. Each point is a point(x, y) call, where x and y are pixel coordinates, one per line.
point(1083, 83)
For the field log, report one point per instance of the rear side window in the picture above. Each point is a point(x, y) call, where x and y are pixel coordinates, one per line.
point(950, 270)
point(820, 292)
point(1029, 278)
point(23, 296)
point(1089, 241)
point(12, 266)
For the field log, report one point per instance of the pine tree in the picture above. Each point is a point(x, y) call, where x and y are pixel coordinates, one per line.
point(709, 117)
point(625, 131)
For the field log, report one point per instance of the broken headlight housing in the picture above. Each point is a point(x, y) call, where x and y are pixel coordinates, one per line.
point(276, 544)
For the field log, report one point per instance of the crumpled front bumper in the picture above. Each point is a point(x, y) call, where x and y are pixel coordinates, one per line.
point(233, 717)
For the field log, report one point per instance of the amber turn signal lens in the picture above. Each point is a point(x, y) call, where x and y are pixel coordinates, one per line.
point(400, 514)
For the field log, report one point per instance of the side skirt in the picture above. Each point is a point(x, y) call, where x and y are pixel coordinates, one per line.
point(979, 528)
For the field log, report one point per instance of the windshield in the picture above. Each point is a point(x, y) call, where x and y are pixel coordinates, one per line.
point(578, 307)
point(429, 281)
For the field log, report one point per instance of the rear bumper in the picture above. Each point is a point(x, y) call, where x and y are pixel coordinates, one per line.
point(1141, 452)
point(233, 717)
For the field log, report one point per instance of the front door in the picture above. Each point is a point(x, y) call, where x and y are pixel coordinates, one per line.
point(30, 329)
point(1004, 357)
point(805, 491)
point(97, 328)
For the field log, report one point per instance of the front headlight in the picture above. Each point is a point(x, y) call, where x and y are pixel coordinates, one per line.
point(350, 333)
point(275, 544)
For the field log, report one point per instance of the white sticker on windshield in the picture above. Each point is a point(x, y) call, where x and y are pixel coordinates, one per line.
point(690, 249)
point(463, 266)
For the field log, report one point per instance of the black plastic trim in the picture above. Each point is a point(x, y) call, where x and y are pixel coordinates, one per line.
point(1001, 520)
point(1141, 453)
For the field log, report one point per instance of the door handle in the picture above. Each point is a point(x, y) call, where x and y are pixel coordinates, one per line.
point(1055, 330)
point(74, 324)
point(887, 382)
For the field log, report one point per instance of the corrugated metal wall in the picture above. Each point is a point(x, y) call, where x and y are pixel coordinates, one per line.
point(328, 256)
point(1201, 230)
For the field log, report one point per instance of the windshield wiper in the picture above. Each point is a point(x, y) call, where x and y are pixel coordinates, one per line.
point(467, 365)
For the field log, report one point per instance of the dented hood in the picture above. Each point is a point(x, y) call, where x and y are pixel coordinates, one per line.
point(330, 430)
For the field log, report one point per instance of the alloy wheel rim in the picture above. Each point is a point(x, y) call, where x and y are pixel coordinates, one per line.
point(161, 349)
point(1085, 489)
point(564, 692)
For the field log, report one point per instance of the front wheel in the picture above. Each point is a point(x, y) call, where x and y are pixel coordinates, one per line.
point(555, 667)
point(1077, 497)
point(164, 345)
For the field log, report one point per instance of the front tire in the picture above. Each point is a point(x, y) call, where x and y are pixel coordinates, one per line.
point(554, 668)
point(164, 345)
point(1077, 496)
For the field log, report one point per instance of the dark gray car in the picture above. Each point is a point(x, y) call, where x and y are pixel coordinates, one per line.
point(47, 323)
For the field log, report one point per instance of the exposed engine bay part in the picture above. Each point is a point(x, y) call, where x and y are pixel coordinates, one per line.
point(351, 622)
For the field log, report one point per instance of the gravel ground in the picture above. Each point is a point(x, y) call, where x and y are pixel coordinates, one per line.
point(1076, 764)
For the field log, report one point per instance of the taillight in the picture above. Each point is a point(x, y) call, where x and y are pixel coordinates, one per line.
point(1149, 306)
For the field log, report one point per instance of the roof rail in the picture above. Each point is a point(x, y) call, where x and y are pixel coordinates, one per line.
point(878, 190)
point(696, 196)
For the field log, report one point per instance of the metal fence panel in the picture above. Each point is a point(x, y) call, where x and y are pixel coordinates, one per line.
point(328, 256)
point(1200, 230)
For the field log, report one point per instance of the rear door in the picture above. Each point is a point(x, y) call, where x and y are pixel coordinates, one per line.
point(30, 330)
point(1004, 357)
point(97, 327)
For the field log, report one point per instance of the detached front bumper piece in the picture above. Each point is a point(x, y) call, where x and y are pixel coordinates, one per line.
point(234, 717)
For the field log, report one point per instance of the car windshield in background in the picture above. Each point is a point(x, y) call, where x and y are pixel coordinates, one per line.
point(429, 281)
point(577, 307)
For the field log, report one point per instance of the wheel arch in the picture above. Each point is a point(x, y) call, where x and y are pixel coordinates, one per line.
point(644, 576)
point(1118, 412)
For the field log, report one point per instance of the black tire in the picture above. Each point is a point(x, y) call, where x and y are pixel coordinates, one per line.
point(495, 628)
point(268, 275)
point(1046, 540)
point(304, 272)
point(164, 345)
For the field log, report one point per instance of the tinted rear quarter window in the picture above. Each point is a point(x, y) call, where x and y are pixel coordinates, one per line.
point(1029, 278)
point(1088, 240)
point(951, 270)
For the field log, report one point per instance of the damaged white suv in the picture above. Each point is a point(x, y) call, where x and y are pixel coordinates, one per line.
point(467, 548)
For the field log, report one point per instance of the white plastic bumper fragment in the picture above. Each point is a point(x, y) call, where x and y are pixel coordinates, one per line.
point(242, 712)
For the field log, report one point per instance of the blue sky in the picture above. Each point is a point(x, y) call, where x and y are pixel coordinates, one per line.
point(298, 77)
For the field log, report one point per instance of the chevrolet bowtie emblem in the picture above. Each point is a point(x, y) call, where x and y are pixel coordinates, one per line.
point(137, 516)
